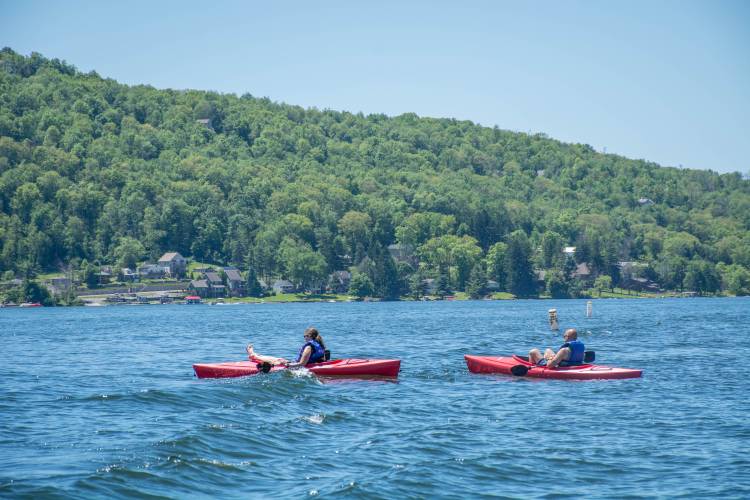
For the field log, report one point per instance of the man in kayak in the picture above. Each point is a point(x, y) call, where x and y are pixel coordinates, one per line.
point(312, 351)
point(570, 353)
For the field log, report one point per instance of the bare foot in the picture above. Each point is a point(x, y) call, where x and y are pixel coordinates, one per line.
point(250, 351)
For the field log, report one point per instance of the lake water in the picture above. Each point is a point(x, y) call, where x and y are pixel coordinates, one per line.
point(102, 402)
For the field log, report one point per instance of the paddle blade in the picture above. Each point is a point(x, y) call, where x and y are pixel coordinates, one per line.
point(519, 370)
point(589, 356)
point(264, 367)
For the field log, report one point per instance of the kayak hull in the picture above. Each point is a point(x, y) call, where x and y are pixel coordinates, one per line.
point(334, 368)
point(503, 365)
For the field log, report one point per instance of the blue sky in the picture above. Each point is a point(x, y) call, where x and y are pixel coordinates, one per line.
point(667, 81)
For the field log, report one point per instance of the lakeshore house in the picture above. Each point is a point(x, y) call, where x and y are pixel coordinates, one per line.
point(175, 263)
point(403, 253)
point(237, 286)
point(213, 278)
point(204, 289)
point(105, 275)
point(583, 273)
point(283, 286)
point(127, 274)
point(59, 285)
point(151, 271)
point(639, 285)
point(338, 281)
point(430, 286)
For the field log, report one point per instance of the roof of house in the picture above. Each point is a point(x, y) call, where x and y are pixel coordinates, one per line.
point(233, 275)
point(582, 269)
point(169, 256)
point(211, 276)
point(199, 284)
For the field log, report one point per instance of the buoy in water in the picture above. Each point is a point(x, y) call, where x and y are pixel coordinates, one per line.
point(553, 324)
point(589, 309)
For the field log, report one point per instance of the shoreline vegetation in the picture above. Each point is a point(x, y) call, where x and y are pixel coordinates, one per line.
point(104, 182)
point(105, 299)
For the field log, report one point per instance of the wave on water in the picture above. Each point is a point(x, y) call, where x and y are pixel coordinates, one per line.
point(128, 418)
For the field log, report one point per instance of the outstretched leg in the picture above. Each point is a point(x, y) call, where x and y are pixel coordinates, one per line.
point(259, 358)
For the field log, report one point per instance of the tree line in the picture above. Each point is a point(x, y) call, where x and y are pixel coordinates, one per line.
point(94, 170)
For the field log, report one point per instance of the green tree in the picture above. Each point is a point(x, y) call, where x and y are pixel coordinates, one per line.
point(253, 285)
point(304, 266)
point(443, 284)
point(128, 252)
point(90, 275)
point(520, 276)
point(360, 285)
point(551, 249)
point(477, 285)
point(602, 282)
point(496, 267)
point(557, 284)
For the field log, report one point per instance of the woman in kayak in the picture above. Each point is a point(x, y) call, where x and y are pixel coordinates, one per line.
point(312, 351)
point(570, 353)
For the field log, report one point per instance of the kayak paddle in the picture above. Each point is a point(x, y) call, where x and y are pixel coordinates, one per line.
point(520, 370)
point(264, 367)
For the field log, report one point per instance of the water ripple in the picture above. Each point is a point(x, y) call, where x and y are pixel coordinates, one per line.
point(104, 404)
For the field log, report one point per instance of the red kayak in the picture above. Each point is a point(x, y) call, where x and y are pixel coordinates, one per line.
point(516, 365)
point(334, 368)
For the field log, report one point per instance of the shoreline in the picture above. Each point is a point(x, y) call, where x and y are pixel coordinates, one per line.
point(102, 299)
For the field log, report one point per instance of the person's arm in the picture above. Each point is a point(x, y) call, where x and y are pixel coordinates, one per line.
point(303, 359)
point(561, 355)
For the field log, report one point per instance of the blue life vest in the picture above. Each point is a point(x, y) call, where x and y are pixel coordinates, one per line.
point(577, 350)
point(316, 356)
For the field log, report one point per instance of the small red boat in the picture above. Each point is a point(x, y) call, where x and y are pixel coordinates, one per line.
point(518, 366)
point(333, 368)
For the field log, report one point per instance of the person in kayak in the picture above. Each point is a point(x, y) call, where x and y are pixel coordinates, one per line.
point(569, 354)
point(312, 351)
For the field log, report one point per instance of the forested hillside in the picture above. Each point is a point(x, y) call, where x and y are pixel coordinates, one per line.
point(94, 170)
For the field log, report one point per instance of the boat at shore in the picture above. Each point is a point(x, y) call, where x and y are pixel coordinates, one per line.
point(334, 368)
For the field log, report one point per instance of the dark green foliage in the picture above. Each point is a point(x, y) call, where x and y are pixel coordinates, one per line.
point(477, 285)
point(253, 285)
point(557, 284)
point(30, 291)
point(90, 275)
point(443, 285)
point(520, 276)
point(360, 285)
point(92, 169)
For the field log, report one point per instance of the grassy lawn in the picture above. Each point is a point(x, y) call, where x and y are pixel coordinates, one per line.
point(192, 265)
point(290, 297)
point(620, 293)
point(49, 276)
